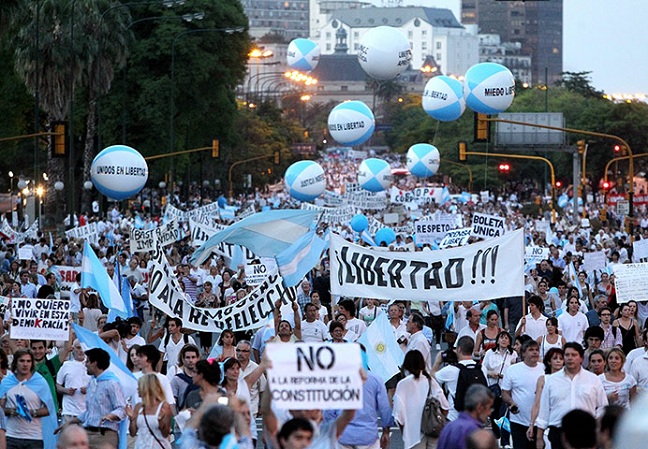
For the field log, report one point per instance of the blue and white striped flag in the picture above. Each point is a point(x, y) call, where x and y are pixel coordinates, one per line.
point(445, 195)
point(364, 235)
point(94, 274)
point(384, 356)
point(295, 262)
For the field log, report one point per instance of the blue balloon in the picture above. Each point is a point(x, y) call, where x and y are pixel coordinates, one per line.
point(359, 223)
point(386, 235)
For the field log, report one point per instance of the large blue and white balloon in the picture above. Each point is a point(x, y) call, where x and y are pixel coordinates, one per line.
point(374, 175)
point(119, 172)
point(443, 98)
point(305, 180)
point(489, 88)
point(423, 160)
point(351, 123)
point(384, 53)
point(303, 54)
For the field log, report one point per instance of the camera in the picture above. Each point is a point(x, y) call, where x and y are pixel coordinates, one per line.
point(449, 357)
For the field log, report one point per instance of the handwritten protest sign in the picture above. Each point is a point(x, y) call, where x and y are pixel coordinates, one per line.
point(148, 240)
point(68, 278)
point(631, 282)
point(640, 250)
point(594, 261)
point(434, 227)
point(42, 319)
point(534, 255)
point(456, 237)
point(315, 376)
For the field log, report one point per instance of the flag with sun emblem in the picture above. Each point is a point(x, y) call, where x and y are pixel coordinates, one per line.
point(384, 356)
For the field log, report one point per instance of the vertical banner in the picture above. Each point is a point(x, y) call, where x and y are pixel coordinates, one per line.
point(307, 376)
point(486, 270)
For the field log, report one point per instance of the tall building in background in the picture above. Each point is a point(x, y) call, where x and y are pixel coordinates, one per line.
point(288, 19)
point(536, 25)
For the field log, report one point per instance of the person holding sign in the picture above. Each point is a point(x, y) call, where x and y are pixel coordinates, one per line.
point(284, 333)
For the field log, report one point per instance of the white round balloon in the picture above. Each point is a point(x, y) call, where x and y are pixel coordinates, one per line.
point(374, 175)
point(489, 88)
point(384, 53)
point(119, 172)
point(303, 54)
point(443, 98)
point(305, 180)
point(351, 123)
point(423, 160)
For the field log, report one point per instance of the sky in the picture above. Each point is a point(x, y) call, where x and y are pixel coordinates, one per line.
point(606, 37)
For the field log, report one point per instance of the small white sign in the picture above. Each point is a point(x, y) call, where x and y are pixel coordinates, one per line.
point(40, 319)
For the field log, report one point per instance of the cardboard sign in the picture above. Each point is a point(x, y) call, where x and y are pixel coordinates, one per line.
point(456, 237)
point(434, 227)
point(40, 319)
point(308, 376)
point(535, 254)
point(631, 282)
point(594, 261)
point(487, 226)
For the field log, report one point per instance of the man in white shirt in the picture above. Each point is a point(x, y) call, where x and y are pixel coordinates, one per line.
point(173, 342)
point(573, 323)
point(636, 353)
point(71, 381)
point(570, 388)
point(533, 324)
point(473, 327)
point(398, 326)
point(639, 365)
point(417, 340)
point(348, 309)
point(313, 330)
point(259, 387)
point(518, 392)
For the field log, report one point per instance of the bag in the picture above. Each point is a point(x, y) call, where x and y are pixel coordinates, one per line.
point(495, 388)
point(432, 420)
point(468, 375)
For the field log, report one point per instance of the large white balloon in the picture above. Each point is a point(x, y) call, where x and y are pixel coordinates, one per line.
point(443, 98)
point(489, 88)
point(374, 175)
point(303, 54)
point(423, 160)
point(305, 180)
point(384, 53)
point(119, 172)
point(351, 123)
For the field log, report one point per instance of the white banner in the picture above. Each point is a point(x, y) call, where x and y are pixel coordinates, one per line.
point(357, 154)
point(88, 232)
point(434, 227)
point(640, 250)
point(332, 215)
point(363, 199)
point(307, 376)
point(486, 270)
point(420, 195)
point(594, 261)
point(456, 237)
point(631, 282)
point(487, 226)
point(141, 240)
point(200, 233)
point(40, 319)
point(68, 278)
point(250, 312)
point(535, 254)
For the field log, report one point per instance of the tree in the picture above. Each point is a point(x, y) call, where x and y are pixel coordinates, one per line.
point(580, 82)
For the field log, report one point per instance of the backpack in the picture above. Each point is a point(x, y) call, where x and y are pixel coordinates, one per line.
point(185, 337)
point(190, 387)
point(432, 420)
point(468, 375)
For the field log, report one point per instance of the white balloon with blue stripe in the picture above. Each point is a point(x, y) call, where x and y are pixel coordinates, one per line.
point(351, 123)
point(119, 172)
point(305, 180)
point(303, 54)
point(374, 175)
point(443, 98)
point(489, 88)
point(423, 160)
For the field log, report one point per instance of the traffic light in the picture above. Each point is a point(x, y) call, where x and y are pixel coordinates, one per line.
point(482, 128)
point(582, 146)
point(558, 184)
point(617, 149)
point(504, 168)
point(462, 146)
point(606, 185)
point(276, 157)
point(58, 143)
point(215, 148)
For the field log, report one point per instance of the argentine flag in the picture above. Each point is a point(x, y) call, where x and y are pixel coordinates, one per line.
point(94, 275)
point(384, 356)
point(296, 261)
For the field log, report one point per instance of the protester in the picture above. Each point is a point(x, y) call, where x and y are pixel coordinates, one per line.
point(72, 382)
point(150, 420)
point(620, 387)
point(479, 402)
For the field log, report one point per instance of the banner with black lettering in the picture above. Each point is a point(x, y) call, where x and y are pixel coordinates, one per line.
point(40, 319)
point(419, 195)
point(487, 226)
point(434, 227)
point(332, 215)
point(88, 232)
point(455, 237)
point(251, 312)
point(148, 240)
point(534, 255)
point(486, 270)
point(307, 376)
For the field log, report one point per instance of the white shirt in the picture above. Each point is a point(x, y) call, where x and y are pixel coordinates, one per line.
point(419, 342)
point(448, 376)
point(521, 380)
point(172, 349)
point(573, 327)
point(534, 328)
point(632, 355)
point(639, 370)
point(314, 332)
point(73, 374)
point(561, 394)
point(496, 361)
point(469, 332)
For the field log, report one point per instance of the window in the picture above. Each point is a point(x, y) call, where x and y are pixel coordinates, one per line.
point(328, 47)
point(410, 34)
point(328, 35)
point(344, 88)
point(438, 45)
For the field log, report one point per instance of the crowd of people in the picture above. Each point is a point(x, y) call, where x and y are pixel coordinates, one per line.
point(525, 372)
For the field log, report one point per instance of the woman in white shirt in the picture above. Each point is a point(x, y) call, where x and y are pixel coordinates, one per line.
point(409, 400)
point(620, 387)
